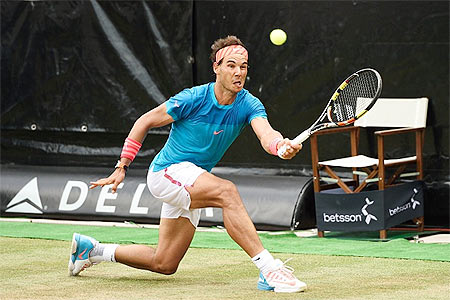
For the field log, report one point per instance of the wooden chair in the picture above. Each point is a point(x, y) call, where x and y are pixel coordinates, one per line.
point(400, 116)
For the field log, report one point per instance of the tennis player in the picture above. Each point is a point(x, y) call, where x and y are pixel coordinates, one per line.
point(205, 120)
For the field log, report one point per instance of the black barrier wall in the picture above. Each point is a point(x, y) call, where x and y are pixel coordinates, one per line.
point(76, 75)
point(62, 193)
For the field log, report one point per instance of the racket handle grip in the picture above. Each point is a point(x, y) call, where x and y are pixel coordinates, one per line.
point(298, 140)
point(301, 137)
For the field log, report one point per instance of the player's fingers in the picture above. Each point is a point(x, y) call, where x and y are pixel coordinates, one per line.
point(114, 188)
point(115, 185)
point(294, 151)
point(291, 149)
point(296, 147)
point(286, 141)
point(284, 144)
point(94, 184)
point(282, 148)
point(100, 182)
point(291, 145)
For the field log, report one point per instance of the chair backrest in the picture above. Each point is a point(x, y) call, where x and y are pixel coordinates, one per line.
point(396, 112)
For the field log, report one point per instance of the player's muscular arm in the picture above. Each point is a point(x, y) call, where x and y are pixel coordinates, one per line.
point(266, 134)
point(156, 117)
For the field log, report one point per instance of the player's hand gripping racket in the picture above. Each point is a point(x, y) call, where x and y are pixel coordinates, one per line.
point(351, 100)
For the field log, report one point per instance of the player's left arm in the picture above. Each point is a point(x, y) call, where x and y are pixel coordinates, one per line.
point(271, 139)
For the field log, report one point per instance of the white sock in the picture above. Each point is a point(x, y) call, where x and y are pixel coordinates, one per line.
point(103, 252)
point(264, 261)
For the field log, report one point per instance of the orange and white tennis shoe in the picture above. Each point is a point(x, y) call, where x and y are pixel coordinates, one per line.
point(280, 279)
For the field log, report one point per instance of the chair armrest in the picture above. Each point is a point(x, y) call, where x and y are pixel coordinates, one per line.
point(397, 131)
point(336, 130)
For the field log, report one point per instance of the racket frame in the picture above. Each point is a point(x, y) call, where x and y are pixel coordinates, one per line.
point(316, 126)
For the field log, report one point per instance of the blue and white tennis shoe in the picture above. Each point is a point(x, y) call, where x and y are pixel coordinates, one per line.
point(280, 280)
point(79, 253)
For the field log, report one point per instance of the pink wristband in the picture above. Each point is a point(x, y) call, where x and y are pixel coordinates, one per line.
point(130, 149)
point(273, 145)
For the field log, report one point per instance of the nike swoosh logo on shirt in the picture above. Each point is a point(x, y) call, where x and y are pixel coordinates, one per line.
point(217, 132)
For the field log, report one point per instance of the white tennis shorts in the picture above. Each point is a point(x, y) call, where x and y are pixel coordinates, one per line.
point(168, 185)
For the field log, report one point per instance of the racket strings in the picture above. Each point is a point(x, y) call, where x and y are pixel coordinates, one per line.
point(355, 97)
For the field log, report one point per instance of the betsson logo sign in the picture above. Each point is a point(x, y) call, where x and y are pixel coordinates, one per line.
point(28, 201)
point(412, 204)
point(338, 218)
point(351, 218)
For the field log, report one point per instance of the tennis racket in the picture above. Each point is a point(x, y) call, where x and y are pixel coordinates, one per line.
point(351, 100)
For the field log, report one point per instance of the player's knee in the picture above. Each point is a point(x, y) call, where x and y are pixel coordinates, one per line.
point(229, 194)
point(165, 269)
point(168, 271)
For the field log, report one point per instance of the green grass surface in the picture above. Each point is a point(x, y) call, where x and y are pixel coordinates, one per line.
point(334, 244)
point(37, 269)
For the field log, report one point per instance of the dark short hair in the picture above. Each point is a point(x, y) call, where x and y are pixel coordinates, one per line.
point(223, 42)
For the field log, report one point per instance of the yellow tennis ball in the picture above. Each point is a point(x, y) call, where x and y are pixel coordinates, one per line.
point(278, 37)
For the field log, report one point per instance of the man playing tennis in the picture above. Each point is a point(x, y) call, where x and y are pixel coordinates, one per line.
point(205, 120)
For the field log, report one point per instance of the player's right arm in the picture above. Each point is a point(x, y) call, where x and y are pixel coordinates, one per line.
point(267, 136)
point(154, 118)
